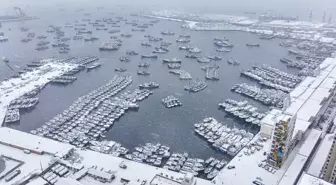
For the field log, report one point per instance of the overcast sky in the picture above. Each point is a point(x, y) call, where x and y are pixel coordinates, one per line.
point(290, 7)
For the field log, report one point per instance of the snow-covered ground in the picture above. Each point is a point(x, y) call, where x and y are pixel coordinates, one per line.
point(15, 87)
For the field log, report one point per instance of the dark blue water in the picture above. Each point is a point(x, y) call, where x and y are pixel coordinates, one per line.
point(153, 122)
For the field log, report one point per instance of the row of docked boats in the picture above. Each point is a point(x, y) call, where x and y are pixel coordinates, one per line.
point(108, 147)
point(152, 154)
point(300, 64)
point(242, 110)
point(273, 78)
point(66, 79)
point(270, 97)
point(12, 115)
point(171, 101)
point(183, 163)
point(90, 116)
point(221, 137)
point(23, 103)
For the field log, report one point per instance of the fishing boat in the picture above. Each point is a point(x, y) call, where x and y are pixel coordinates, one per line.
point(196, 86)
point(232, 62)
point(120, 69)
point(222, 50)
point(93, 66)
point(144, 65)
point(253, 45)
point(125, 59)
point(4, 59)
point(149, 56)
point(173, 60)
point(149, 85)
point(146, 44)
point(143, 73)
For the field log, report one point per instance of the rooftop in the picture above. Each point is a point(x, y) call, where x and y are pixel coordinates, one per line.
point(32, 142)
point(321, 155)
point(307, 179)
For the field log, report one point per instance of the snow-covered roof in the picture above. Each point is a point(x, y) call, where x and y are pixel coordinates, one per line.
point(32, 142)
point(307, 81)
point(76, 166)
point(333, 73)
point(328, 83)
point(272, 117)
point(67, 181)
point(317, 82)
point(294, 170)
point(247, 170)
point(321, 155)
point(310, 142)
point(305, 95)
point(327, 62)
point(300, 125)
point(320, 94)
point(307, 179)
point(299, 90)
point(309, 110)
point(100, 174)
point(32, 163)
point(294, 107)
point(38, 181)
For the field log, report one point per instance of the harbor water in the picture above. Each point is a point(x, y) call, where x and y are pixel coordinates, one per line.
point(153, 122)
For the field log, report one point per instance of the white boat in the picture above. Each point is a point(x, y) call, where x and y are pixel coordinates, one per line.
point(4, 59)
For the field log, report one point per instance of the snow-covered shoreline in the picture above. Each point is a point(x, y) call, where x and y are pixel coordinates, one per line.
point(301, 30)
point(13, 88)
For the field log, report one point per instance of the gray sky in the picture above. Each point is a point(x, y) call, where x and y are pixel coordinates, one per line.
point(288, 7)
